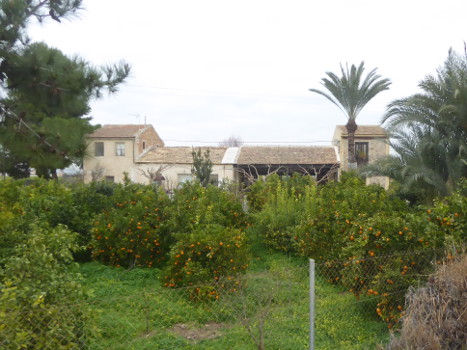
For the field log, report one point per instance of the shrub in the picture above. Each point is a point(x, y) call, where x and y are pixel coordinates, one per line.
point(210, 243)
point(194, 206)
point(436, 313)
point(134, 232)
point(207, 259)
point(448, 218)
point(280, 215)
point(47, 201)
point(41, 297)
point(374, 245)
point(9, 237)
point(335, 216)
point(261, 191)
point(89, 201)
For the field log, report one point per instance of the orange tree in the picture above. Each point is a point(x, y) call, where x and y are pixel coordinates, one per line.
point(210, 241)
point(135, 231)
point(89, 201)
point(363, 239)
point(207, 259)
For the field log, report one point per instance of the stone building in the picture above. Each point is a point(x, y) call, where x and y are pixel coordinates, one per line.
point(371, 143)
point(138, 151)
point(114, 149)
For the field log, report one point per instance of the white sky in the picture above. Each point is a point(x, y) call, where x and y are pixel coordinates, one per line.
point(203, 70)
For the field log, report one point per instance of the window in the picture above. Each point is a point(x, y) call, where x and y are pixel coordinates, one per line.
point(361, 153)
point(110, 179)
point(99, 149)
point(120, 149)
point(182, 178)
point(214, 179)
point(144, 144)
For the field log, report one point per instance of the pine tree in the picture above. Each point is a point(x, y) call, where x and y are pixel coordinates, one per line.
point(44, 116)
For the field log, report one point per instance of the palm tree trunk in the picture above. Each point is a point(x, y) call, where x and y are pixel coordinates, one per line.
point(351, 127)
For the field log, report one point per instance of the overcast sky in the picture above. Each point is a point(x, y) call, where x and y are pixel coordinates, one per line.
point(203, 70)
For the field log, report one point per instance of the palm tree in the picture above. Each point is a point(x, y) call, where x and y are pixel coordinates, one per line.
point(442, 109)
point(418, 164)
point(429, 133)
point(351, 92)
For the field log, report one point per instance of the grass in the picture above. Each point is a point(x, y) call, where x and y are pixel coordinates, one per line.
point(133, 311)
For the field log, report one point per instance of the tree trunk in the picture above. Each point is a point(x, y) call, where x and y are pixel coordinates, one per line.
point(351, 127)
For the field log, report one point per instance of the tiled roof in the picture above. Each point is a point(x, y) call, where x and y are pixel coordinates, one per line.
point(287, 155)
point(180, 155)
point(365, 130)
point(118, 131)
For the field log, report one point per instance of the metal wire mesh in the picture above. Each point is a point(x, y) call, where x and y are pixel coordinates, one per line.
point(258, 310)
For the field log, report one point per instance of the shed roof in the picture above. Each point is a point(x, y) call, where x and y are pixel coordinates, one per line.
point(287, 155)
point(180, 155)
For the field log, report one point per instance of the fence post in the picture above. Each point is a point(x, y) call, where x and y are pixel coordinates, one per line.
point(312, 304)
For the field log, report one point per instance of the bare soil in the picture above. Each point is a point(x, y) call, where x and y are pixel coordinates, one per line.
point(195, 334)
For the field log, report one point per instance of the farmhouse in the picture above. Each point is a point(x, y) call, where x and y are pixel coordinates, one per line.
point(139, 152)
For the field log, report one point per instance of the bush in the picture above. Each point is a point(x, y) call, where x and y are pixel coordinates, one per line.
point(448, 218)
point(372, 244)
point(25, 201)
point(210, 243)
point(207, 259)
point(47, 201)
point(135, 231)
point(89, 201)
point(280, 215)
point(335, 216)
point(435, 316)
point(41, 297)
point(9, 237)
point(261, 191)
point(194, 206)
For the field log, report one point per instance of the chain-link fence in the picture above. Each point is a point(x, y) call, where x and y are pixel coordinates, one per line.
point(355, 302)
point(368, 295)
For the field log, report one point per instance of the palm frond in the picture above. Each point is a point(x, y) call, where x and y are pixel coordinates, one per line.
point(349, 92)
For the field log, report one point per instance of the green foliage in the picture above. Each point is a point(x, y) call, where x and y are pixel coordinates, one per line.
point(195, 206)
point(8, 236)
point(207, 259)
point(281, 213)
point(50, 202)
point(27, 201)
point(43, 114)
point(202, 166)
point(371, 243)
point(204, 218)
point(134, 297)
point(429, 134)
point(330, 210)
point(351, 92)
point(89, 201)
point(134, 232)
point(41, 296)
point(260, 191)
point(12, 165)
point(448, 218)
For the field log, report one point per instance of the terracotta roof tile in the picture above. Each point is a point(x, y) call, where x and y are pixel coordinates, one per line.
point(365, 130)
point(180, 155)
point(118, 131)
point(287, 155)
